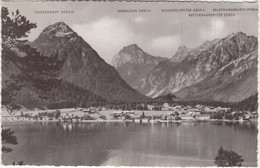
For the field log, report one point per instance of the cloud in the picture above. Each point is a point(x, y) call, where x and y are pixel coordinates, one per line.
point(106, 35)
point(167, 44)
point(215, 29)
point(139, 19)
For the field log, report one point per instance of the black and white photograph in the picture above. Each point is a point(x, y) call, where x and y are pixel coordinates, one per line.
point(129, 83)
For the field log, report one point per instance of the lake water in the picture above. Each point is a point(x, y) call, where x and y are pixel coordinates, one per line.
point(130, 144)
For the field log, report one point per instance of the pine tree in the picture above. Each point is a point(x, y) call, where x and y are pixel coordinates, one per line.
point(42, 71)
point(228, 158)
point(8, 137)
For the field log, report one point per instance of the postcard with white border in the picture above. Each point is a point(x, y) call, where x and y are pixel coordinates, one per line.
point(129, 83)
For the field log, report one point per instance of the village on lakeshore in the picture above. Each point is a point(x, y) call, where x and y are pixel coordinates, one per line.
point(150, 114)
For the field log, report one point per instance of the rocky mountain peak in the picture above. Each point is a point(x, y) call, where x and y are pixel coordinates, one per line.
point(58, 29)
point(181, 54)
point(132, 49)
point(134, 65)
point(182, 47)
point(135, 55)
point(134, 46)
point(239, 35)
point(130, 53)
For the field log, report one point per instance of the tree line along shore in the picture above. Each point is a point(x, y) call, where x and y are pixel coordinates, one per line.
point(144, 114)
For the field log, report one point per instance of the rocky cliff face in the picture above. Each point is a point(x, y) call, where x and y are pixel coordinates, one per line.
point(134, 65)
point(181, 54)
point(200, 63)
point(234, 82)
point(222, 69)
point(82, 65)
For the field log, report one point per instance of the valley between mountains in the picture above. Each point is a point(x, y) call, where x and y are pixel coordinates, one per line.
point(223, 70)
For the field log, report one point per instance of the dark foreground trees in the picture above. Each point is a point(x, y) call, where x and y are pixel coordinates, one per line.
point(228, 158)
point(28, 64)
point(8, 137)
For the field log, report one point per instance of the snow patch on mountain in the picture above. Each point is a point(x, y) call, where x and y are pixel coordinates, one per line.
point(159, 93)
point(152, 91)
point(62, 34)
point(59, 29)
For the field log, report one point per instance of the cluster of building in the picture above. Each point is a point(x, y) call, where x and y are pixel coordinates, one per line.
point(167, 113)
point(134, 117)
point(199, 109)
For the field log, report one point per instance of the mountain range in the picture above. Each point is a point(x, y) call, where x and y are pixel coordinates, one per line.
point(83, 66)
point(83, 72)
point(219, 70)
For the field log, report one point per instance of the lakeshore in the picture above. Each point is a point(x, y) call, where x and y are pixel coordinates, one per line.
point(136, 116)
point(116, 136)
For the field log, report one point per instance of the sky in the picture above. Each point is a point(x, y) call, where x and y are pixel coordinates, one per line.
point(157, 33)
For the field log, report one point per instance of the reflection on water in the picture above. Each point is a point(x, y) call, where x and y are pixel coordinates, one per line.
point(130, 144)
